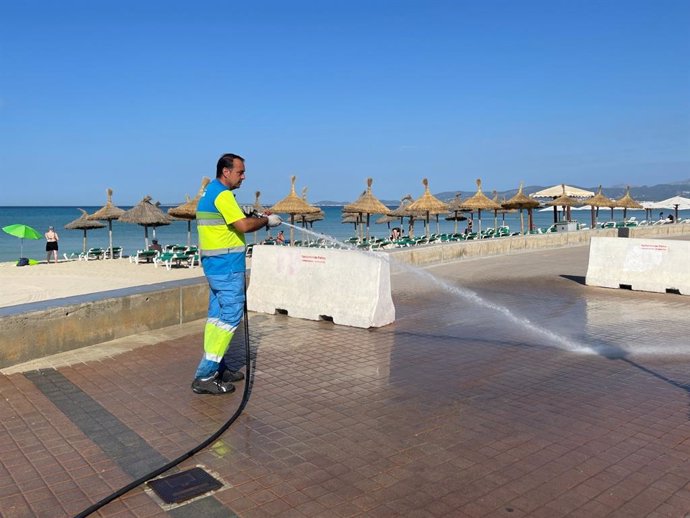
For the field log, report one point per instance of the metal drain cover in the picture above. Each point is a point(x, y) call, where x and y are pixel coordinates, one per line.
point(184, 486)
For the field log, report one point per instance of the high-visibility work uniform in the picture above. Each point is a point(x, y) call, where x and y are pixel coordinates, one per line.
point(222, 251)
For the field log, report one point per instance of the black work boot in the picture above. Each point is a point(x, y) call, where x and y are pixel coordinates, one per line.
point(229, 376)
point(212, 385)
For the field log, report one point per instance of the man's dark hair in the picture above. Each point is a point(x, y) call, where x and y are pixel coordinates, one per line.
point(226, 161)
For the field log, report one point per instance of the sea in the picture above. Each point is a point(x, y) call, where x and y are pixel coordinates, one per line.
point(131, 237)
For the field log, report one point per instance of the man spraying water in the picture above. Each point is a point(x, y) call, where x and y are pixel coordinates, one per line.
point(221, 225)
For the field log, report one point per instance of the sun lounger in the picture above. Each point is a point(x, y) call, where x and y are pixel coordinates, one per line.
point(117, 252)
point(170, 259)
point(91, 254)
point(71, 256)
point(143, 256)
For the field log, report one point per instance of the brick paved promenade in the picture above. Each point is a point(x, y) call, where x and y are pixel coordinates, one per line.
point(455, 410)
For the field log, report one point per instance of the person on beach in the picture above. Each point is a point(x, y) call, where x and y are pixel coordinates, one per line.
point(155, 246)
point(221, 225)
point(280, 238)
point(51, 244)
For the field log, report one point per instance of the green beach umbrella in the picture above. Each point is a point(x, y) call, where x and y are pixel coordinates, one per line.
point(22, 232)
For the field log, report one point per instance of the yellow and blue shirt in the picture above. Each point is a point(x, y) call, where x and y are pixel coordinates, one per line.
point(216, 212)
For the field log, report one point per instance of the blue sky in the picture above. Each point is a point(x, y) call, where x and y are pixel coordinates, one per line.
point(143, 97)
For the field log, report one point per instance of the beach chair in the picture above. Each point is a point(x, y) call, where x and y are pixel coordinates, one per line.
point(143, 256)
point(117, 252)
point(92, 254)
point(170, 259)
point(71, 256)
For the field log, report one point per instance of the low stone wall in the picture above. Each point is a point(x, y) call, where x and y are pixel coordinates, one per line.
point(457, 250)
point(36, 330)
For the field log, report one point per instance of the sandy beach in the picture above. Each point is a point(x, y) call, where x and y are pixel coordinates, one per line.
point(21, 285)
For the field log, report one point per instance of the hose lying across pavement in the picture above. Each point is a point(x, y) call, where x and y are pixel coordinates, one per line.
point(245, 399)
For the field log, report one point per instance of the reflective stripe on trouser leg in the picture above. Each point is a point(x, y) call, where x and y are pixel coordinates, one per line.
point(225, 308)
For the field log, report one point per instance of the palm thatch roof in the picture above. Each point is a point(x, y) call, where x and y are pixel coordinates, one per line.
point(293, 204)
point(83, 222)
point(455, 205)
point(601, 200)
point(147, 214)
point(188, 209)
point(367, 203)
point(428, 203)
point(316, 216)
point(479, 201)
point(627, 201)
point(109, 211)
point(520, 201)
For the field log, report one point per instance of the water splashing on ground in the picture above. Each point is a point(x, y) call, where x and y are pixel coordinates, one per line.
point(466, 294)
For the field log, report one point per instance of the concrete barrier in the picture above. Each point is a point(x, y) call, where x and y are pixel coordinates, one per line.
point(344, 286)
point(640, 264)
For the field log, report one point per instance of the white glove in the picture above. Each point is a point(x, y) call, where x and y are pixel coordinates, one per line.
point(273, 220)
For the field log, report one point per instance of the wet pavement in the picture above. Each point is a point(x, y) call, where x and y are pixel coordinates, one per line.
point(560, 400)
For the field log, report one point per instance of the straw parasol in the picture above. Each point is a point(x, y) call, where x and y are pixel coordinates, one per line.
point(502, 210)
point(108, 213)
point(147, 215)
point(479, 201)
point(600, 200)
point(455, 206)
point(521, 201)
point(402, 211)
point(627, 202)
point(429, 204)
point(84, 223)
point(564, 201)
point(187, 210)
point(309, 219)
point(367, 204)
point(293, 205)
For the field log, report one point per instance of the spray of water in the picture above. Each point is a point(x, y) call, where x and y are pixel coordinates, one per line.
point(466, 294)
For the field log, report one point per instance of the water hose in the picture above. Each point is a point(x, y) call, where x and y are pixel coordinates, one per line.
point(245, 399)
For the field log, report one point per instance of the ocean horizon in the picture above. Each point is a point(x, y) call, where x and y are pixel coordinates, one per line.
point(131, 236)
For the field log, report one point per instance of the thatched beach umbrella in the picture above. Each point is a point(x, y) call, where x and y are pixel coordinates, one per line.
point(293, 205)
point(83, 223)
point(520, 201)
point(564, 201)
point(367, 204)
point(627, 202)
point(479, 202)
point(108, 213)
point(309, 219)
point(147, 215)
point(428, 204)
point(455, 206)
point(597, 201)
point(187, 211)
point(403, 211)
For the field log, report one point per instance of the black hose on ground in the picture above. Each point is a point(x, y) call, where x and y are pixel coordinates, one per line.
point(245, 399)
